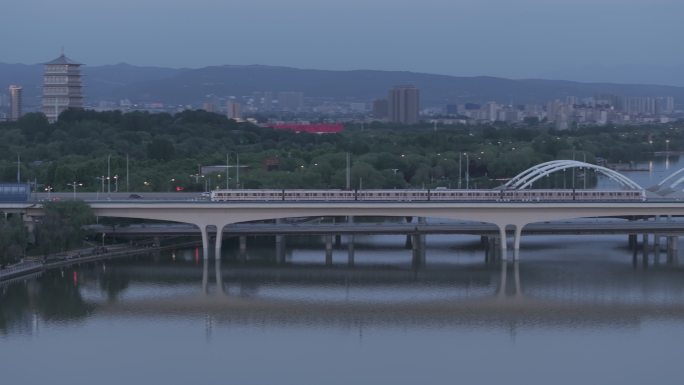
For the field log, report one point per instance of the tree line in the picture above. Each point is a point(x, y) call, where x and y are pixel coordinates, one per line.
point(143, 151)
point(59, 229)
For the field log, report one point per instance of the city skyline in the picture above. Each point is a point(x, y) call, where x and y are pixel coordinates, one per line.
point(466, 38)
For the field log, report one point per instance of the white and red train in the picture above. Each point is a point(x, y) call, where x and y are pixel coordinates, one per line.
point(420, 195)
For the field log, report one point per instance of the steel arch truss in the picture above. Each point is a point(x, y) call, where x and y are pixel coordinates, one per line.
point(526, 178)
point(674, 184)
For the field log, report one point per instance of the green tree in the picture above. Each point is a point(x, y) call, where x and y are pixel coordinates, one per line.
point(161, 149)
point(13, 239)
point(61, 228)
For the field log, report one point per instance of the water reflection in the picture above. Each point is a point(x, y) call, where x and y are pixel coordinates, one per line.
point(554, 292)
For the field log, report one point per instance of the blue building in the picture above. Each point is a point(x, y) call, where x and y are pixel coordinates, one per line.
point(14, 192)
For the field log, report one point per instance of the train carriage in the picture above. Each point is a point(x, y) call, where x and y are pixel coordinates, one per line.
point(420, 195)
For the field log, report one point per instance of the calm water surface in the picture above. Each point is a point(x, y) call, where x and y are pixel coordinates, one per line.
point(564, 315)
point(575, 310)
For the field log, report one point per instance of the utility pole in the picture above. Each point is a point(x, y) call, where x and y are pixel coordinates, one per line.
point(237, 171)
point(18, 168)
point(109, 172)
point(467, 172)
point(348, 171)
point(227, 170)
point(126, 172)
point(460, 158)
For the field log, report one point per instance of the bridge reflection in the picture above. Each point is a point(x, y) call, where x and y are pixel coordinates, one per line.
point(493, 295)
point(504, 294)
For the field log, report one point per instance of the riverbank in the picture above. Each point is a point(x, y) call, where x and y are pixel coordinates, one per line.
point(35, 267)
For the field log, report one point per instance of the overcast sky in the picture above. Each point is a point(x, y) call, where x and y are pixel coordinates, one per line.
point(512, 38)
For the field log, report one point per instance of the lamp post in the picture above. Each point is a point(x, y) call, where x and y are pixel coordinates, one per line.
point(48, 189)
point(102, 180)
point(467, 171)
point(237, 169)
point(75, 184)
point(109, 188)
point(460, 172)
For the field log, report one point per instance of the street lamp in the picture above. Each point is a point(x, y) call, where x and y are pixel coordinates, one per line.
point(467, 171)
point(109, 169)
point(102, 180)
point(197, 177)
point(75, 184)
point(48, 189)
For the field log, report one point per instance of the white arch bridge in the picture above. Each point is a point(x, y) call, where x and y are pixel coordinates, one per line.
point(526, 178)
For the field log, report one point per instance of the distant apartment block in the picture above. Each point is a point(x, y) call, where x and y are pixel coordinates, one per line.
point(290, 100)
point(234, 110)
point(209, 106)
point(62, 87)
point(380, 107)
point(403, 104)
point(15, 102)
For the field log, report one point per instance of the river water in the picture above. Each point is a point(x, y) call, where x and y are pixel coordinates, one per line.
point(574, 310)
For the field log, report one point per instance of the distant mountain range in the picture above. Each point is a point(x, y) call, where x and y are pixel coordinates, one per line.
point(628, 74)
point(192, 86)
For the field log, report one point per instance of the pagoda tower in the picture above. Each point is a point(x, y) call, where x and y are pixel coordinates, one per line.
point(61, 87)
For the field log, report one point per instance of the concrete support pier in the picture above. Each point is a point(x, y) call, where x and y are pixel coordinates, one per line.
point(632, 241)
point(645, 247)
point(205, 276)
point(350, 251)
point(516, 242)
point(408, 244)
point(493, 249)
point(418, 251)
point(280, 249)
point(205, 241)
point(350, 244)
point(504, 242)
point(220, 290)
point(673, 249)
point(219, 242)
point(328, 250)
point(243, 243)
point(280, 246)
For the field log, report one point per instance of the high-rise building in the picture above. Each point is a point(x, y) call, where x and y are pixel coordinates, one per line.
point(380, 108)
point(234, 110)
point(61, 87)
point(15, 102)
point(208, 106)
point(290, 100)
point(403, 104)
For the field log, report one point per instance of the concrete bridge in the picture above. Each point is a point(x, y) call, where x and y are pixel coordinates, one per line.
point(210, 217)
point(215, 216)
